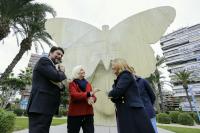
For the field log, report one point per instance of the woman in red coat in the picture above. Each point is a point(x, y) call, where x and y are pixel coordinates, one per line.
point(80, 112)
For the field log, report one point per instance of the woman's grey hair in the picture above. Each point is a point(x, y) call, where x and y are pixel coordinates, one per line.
point(76, 70)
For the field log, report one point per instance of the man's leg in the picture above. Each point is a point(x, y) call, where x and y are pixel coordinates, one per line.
point(153, 121)
point(39, 123)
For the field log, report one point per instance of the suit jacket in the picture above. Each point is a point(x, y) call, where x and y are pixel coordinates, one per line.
point(45, 95)
point(125, 90)
point(148, 96)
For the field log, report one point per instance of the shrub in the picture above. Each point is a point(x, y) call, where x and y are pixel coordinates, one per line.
point(174, 116)
point(192, 114)
point(18, 111)
point(185, 119)
point(195, 117)
point(163, 118)
point(7, 121)
point(62, 112)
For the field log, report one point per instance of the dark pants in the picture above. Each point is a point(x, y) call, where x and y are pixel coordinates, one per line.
point(39, 123)
point(74, 123)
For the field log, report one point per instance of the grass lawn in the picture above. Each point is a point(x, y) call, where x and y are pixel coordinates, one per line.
point(180, 129)
point(22, 123)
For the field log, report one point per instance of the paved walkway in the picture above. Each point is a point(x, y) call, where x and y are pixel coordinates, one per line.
point(98, 129)
point(178, 125)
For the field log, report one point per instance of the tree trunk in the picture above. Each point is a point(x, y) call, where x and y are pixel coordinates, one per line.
point(188, 97)
point(24, 46)
point(12, 64)
point(156, 105)
point(162, 108)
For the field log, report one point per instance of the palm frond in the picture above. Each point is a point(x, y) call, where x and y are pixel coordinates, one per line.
point(183, 77)
point(160, 60)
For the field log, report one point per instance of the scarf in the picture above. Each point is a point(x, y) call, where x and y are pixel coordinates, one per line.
point(82, 83)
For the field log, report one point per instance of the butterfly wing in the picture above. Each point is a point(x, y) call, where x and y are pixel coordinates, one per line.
point(82, 43)
point(130, 38)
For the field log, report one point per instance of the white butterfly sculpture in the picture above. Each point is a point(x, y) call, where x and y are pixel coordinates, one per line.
point(94, 49)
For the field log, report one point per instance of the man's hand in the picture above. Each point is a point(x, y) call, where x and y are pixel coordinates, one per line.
point(61, 68)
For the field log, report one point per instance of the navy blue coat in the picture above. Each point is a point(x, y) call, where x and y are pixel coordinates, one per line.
point(130, 114)
point(45, 96)
point(148, 96)
point(125, 90)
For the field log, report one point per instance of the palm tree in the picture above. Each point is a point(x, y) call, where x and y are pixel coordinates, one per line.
point(10, 10)
point(183, 78)
point(155, 80)
point(160, 61)
point(32, 29)
point(26, 75)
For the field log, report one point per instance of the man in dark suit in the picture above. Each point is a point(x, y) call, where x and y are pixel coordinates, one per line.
point(45, 94)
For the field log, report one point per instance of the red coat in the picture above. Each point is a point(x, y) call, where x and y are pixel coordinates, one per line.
point(78, 104)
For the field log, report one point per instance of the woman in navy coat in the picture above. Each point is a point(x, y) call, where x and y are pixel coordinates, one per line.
point(130, 113)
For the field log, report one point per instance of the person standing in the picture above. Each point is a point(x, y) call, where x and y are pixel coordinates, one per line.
point(44, 99)
point(148, 97)
point(130, 114)
point(82, 97)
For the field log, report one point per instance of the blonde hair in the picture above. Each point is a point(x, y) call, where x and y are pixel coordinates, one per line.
point(75, 71)
point(122, 65)
point(133, 70)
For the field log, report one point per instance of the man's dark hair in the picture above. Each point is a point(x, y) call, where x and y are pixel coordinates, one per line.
point(54, 48)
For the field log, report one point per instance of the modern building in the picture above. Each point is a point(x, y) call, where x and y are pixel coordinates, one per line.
point(34, 58)
point(181, 49)
point(170, 102)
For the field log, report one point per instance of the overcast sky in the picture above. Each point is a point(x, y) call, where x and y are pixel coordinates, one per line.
point(100, 12)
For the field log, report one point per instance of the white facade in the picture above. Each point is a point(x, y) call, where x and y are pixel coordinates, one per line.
point(182, 52)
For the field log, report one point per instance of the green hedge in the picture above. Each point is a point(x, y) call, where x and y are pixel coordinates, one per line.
point(195, 117)
point(185, 119)
point(163, 118)
point(174, 116)
point(62, 112)
point(7, 121)
point(18, 111)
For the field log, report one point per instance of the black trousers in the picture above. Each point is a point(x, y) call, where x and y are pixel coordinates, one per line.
point(74, 123)
point(39, 123)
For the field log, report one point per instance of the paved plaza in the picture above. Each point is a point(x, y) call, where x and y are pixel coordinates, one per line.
point(98, 129)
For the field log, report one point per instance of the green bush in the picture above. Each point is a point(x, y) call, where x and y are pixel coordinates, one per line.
point(163, 118)
point(195, 117)
point(185, 119)
point(174, 116)
point(18, 111)
point(62, 112)
point(7, 121)
point(192, 114)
